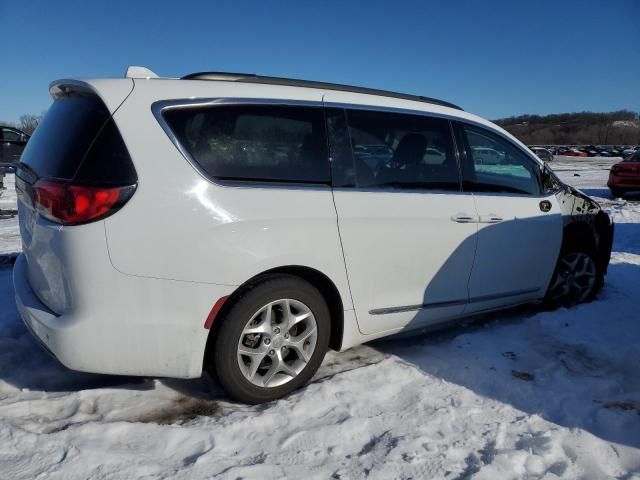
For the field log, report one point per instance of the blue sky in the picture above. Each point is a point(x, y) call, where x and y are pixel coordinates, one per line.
point(494, 58)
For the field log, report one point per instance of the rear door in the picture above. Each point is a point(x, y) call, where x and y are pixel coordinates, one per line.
point(520, 227)
point(407, 229)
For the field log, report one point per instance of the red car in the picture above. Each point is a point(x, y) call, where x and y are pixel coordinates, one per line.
point(572, 152)
point(625, 176)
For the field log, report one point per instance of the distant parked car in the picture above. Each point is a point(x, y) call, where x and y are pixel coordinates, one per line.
point(543, 154)
point(572, 152)
point(624, 176)
point(627, 152)
point(487, 156)
point(13, 142)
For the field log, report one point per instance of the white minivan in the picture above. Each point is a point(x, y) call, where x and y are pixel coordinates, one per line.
point(242, 225)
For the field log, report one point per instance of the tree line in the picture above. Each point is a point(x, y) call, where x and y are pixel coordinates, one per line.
point(582, 128)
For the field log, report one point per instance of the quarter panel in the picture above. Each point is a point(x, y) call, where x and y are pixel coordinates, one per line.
point(182, 226)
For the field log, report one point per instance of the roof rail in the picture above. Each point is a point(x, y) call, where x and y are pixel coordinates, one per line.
point(291, 82)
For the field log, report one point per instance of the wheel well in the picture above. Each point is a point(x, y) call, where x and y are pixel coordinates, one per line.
point(579, 236)
point(316, 278)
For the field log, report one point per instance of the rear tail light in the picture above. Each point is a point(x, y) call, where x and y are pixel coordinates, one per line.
point(70, 204)
point(615, 169)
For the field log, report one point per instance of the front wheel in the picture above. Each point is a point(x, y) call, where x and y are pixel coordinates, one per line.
point(272, 340)
point(575, 280)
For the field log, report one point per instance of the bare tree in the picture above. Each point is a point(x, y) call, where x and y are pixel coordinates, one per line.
point(28, 123)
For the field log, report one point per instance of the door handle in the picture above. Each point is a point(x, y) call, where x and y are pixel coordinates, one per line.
point(464, 218)
point(491, 218)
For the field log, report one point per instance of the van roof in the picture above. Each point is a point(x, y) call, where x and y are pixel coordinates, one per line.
point(143, 72)
point(292, 82)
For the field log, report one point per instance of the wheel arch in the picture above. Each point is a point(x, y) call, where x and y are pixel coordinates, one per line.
point(579, 235)
point(315, 277)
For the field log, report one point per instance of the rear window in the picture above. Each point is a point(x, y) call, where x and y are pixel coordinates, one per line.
point(78, 140)
point(254, 142)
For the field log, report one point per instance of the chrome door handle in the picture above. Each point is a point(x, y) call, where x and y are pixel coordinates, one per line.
point(491, 218)
point(464, 218)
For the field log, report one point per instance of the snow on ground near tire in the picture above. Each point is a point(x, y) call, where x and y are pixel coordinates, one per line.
point(524, 394)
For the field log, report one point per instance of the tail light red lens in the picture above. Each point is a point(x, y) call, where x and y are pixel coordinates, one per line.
point(70, 204)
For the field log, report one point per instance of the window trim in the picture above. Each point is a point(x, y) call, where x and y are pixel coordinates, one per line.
point(161, 106)
point(459, 126)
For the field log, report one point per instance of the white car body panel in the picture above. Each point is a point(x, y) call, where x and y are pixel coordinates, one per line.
point(517, 250)
point(231, 233)
point(141, 327)
point(184, 241)
point(402, 249)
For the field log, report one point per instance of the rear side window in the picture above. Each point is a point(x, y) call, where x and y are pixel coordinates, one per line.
point(392, 150)
point(78, 141)
point(255, 142)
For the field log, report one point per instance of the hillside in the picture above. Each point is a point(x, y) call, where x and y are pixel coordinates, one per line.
point(583, 128)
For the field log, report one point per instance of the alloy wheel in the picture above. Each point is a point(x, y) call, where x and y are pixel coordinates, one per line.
point(575, 279)
point(277, 343)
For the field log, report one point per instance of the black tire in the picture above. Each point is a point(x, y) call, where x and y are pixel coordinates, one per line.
point(617, 193)
point(562, 272)
point(223, 361)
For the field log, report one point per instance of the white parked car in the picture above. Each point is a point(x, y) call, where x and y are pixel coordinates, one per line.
point(222, 223)
point(543, 154)
point(487, 155)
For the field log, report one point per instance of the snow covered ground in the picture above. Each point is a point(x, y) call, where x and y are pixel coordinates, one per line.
point(9, 233)
point(524, 394)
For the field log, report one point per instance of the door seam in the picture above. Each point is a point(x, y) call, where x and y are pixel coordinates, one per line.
point(335, 208)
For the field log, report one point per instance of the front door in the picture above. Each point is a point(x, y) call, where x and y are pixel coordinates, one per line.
point(519, 229)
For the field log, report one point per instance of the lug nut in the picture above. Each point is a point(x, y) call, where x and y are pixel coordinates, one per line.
point(272, 353)
point(286, 335)
point(267, 341)
point(276, 330)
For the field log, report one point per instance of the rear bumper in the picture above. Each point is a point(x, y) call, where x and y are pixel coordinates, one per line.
point(159, 332)
point(39, 320)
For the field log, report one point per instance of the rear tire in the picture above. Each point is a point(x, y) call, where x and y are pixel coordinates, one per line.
point(272, 340)
point(575, 280)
